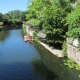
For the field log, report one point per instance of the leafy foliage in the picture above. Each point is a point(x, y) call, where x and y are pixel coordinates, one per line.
point(1, 26)
point(15, 15)
point(1, 23)
point(52, 24)
point(73, 21)
point(75, 33)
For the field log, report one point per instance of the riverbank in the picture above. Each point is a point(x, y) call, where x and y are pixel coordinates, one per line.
point(56, 52)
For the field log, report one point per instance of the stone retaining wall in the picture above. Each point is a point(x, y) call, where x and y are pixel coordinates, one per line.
point(73, 53)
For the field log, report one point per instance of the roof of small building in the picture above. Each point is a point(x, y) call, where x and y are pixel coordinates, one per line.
point(41, 34)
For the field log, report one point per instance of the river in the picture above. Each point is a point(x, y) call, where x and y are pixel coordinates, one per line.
point(21, 60)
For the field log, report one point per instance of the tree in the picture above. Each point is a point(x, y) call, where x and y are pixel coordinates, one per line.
point(0, 17)
point(73, 21)
point(53, 18)
point(23, 16)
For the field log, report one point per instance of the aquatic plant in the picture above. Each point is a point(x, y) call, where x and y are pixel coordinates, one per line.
point(71, 64)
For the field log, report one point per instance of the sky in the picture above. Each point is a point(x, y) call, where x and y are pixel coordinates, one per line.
point(9, 5)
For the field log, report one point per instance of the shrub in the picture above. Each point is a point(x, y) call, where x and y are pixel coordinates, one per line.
point(1, 23)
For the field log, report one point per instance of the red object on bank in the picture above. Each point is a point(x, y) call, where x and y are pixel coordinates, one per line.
point(30, 37)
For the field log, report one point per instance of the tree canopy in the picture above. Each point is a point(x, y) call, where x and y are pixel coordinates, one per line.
point(49, 16)
point(73, 21)
point(13, 18)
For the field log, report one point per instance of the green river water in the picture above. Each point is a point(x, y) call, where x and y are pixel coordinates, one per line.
point(21, 60)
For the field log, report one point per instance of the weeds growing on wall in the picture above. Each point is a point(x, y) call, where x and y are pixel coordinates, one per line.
point(36, 37)
point(64, 49)
point(24, 30)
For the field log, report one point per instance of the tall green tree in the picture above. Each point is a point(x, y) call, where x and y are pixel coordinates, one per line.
point(73, 22)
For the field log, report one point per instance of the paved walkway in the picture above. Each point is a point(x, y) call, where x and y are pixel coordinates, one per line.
point(56, 52)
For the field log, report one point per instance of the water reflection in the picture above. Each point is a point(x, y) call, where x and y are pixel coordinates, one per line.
point(56, 65)
point(41, 70)
point(30, 61)
point(4, 34)
point(23, 31)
